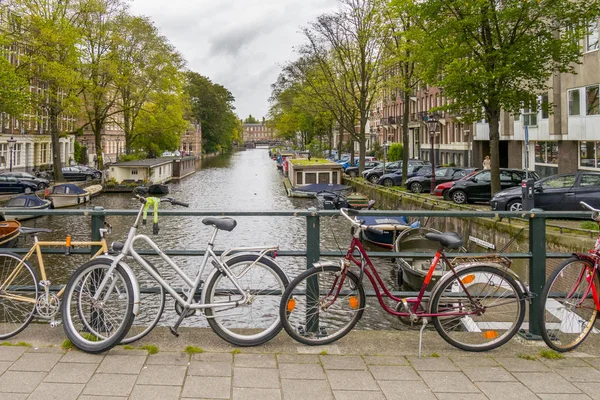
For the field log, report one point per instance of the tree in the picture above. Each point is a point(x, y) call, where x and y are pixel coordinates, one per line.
point(251, 120)
point(491, 55)
point(14, 96)
point(396, 152)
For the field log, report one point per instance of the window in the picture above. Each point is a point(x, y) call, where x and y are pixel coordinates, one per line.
point(134, 172)
point(545, 105)
point(591, 100)
point(591, 38)
point(590, 180)
point(334, 177)
point(529, 117)
point(565, 181)
point(298, 177)
point(574, 102)
point(546, 152)
point(485, 176)
point(323, 177)
point(310, 177)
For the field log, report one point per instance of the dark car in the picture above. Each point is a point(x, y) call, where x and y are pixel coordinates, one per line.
point(478, 187)
point(555, 193)
point(353, 171)
point(8, 184)
point(422, 182)
point(76, 174)
point(25, 176)
point(374, 174)
point(395, 178)
point(97, 174)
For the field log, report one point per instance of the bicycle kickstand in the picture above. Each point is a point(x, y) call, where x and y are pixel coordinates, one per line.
point(421, 335)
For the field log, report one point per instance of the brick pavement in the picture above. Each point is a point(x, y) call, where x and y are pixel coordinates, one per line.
point(51, 373)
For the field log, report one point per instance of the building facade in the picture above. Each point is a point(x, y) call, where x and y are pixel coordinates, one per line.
point(191, 141)
point(257, 133)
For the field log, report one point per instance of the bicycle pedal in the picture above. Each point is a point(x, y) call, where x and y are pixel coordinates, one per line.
point(55, 323)
point(174, 331)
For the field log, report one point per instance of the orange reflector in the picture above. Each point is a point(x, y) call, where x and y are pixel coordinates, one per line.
point(291, 305)
point(353, 302)
point(68, 244)
point(468, 279)
point(490, 334)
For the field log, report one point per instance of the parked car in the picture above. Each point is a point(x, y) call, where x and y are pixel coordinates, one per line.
point(97, 174)
point(422, 182)
point(77, 174)
point(443, 188)
point(374, 174)
point(353, 171)
point(478, 187)
point(8, 184)
point(395, 178)
point(25, 176)
point(554, 193)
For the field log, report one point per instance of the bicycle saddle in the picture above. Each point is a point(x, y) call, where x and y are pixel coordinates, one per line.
point(451, 240)
point(32, 231)
point(226, 224)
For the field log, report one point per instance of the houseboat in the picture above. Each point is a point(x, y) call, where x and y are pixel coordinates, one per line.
point(68, 195)
point(183, 166)
point(303, 172)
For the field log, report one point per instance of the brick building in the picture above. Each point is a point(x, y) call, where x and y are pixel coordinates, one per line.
point(257, 132)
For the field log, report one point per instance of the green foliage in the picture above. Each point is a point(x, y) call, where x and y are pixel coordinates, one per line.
point(132, 157)
point(235, 351)
point(251, 120)
point(14, 96)
point(151, 348)
point(524, 356)
point(128, 347)
point(193, 350)
point(395, 152)
point(377, 151)
point(590, 225)
point(551, 354)
point(67, 345)
point(323, 352)
point(20, 344)
point(80, 153)
point(435, 355)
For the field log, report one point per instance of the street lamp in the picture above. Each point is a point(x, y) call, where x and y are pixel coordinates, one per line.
point(432, 125)
point(386, 145)
point(11, 146)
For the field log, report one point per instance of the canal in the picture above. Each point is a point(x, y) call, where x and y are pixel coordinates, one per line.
point(245, 181)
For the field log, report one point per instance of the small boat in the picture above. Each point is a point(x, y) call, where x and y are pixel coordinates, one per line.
point(9, 232)
point(26, 202)
point(94, 190)
point(68, 195)
point(314, 188)
point(391, 227)
point(158, 189)
point(357, 201)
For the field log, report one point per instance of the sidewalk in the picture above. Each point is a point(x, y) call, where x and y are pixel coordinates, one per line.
point(285, 371)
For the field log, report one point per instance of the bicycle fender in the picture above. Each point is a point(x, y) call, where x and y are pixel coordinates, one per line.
point(586, 257)
point(134, 282)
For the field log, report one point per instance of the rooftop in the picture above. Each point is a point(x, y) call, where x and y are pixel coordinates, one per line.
point(314, 162)
point(149, 162)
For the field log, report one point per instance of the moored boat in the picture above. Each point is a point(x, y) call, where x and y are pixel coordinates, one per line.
point(312, 190)
point(9, 232)
point(391, 227)
point(158, 189)
point(25, 202)
point(68, 195)
point(94, 190)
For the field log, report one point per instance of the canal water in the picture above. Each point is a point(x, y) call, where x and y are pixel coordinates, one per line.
point(245, 181)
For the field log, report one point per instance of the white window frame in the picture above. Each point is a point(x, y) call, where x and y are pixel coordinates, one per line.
point(592, 31)
point(586, 99)
point(569, 102)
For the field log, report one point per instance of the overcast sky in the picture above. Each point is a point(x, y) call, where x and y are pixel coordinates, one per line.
point(239, 44)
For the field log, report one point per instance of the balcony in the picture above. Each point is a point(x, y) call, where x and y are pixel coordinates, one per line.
point(392, 120)
point(426, 115)
point(384, 121)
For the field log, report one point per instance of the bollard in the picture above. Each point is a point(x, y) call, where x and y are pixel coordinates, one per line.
point(97, 224)
point(537, 271)
point(313, 253)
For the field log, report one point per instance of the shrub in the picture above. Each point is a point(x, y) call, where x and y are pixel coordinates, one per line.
point(395, 152)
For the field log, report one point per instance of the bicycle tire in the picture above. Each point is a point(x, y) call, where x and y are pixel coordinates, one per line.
point(474, 333)
point(246, 335)
point(152, 303)
point(94, 341)
point(553, 313)
point(22, 314)
point(297, 324)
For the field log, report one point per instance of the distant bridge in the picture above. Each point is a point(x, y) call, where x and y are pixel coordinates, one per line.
point(253, 144)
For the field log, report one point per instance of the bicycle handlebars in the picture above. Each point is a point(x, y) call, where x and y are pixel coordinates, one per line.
point(346, 212)
point(595, 212)
point(171, 200)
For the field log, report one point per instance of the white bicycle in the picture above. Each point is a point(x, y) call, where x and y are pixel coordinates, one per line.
point(240, 298)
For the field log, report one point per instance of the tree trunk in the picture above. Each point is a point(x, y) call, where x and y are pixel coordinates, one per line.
point(330, 138)
point(127, 129)
point(97, 128)
point(53, 114)
point(362, 143)
point(493, 115)
point(405, 138)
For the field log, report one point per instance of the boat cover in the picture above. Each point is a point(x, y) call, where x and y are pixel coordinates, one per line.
point(67, 188)
point(20, 201)
point(319, 187)
point(386, 220)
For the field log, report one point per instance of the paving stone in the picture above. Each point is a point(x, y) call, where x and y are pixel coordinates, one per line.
point(474, 362)
point(583, 374)
point(300, 389)
point(256, 378)
point(506, 391)
point(75, 356)
point(343, 362)
point(207, 387)
point(516, 364)
point(432, 364)
point(563, 397)
point(121, 364)
point(217, 357)
point(461, 396)
point(357, 395)
point(85, 397)
point(394, 373)
point(13, 396)
point(301, 371)
point(57, 391)
point(487, 374)
point(168, 358)
point(448, 382)
point(155, 392)
point(71, 373)
point(385, 360)
point(110, 385)
point(593, 361)
point(36, 362)
point(545, 382)
point(351, 380)
point(203, 368)
point(11, 353)
point(255, 361)
point(119, 351)
point(256, 394)
point(407, 390)
point(298, 359)
point(328, 349)
point(592, 389)
point(567, 362)
point(50, 349)
point(4, 366)
point(172, 375)
point(20, 382)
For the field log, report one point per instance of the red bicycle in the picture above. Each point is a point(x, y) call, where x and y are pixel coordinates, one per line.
point(475, 306)
point(570, 300)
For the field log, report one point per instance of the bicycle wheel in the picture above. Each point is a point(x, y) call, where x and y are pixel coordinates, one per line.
point(485, 316)
point(93, 325)
point(256, 321)
point(152, 304)
point(568, 304)
point(319, 308)
point(18, 299)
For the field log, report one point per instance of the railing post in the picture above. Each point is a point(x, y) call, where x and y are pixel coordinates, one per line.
point(537, 271)
point(97, 224)
point(313, 253)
